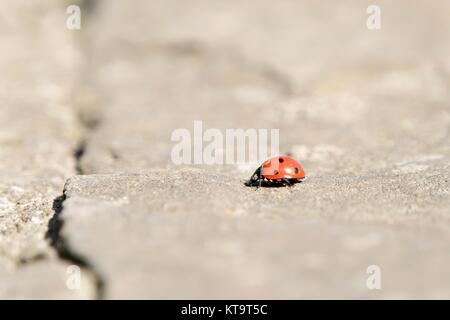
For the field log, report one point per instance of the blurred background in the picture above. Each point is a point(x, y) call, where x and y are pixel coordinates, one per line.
point(365, 111)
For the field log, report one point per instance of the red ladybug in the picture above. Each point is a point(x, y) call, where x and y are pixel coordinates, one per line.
point(277, 171)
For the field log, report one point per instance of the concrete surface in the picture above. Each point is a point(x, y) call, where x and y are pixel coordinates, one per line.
point(191, 234)
point(365, 112)
point(38, 135)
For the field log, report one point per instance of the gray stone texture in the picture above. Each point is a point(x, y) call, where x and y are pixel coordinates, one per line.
point(366, 112)
point(38, 135)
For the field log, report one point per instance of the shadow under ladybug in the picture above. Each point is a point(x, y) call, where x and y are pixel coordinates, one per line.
point(277, 172)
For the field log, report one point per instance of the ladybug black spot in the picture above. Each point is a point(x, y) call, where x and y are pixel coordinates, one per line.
point(296, 170)
point(275, 172)
point(281, 160)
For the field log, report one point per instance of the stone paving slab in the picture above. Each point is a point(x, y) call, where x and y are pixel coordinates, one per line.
point(188, 234)
point(38, 135)
point(365, 112)
point(350, 91)
point(38, 130)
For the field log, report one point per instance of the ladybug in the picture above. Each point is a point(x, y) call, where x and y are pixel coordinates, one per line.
point(276, 172)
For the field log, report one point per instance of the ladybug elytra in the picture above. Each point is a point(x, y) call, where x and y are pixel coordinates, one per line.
point(277, 171)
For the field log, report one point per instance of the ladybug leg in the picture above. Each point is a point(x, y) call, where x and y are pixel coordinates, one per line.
point(252, 183)
point(288, 183)
point(256, 179)
point(257, 175)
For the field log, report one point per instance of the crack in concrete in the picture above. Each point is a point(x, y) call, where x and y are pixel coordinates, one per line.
point(78, 154)
point(56, 222)
point(66, 253)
